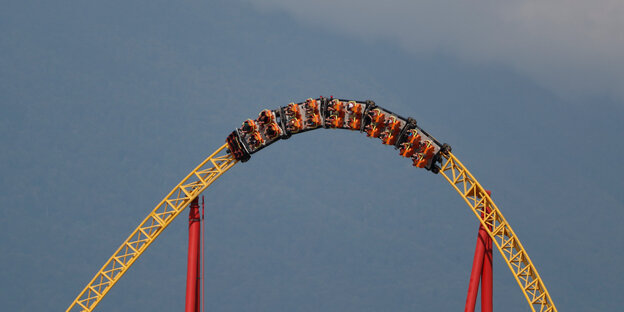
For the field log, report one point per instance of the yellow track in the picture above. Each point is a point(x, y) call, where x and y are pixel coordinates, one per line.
point(219, 162)
point(143, 236)
point(503, 236)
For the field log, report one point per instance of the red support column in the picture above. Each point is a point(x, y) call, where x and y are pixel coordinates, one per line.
point(486, 273)
point(477, 268)
point(198, 278)
point(481, 270)
point(202, 280)
point(193, 264)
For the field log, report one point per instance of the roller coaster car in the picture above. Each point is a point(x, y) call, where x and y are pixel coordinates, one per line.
point(377, 123)
point(355, 118)
point(337, 114)
point(313, 118)
point(236, 148)
point(249, 126)
point(265, 117)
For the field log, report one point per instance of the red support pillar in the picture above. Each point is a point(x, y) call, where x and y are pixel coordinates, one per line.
point(194, 261)
point(486, 273)
point(481, 270)
point(202, 300)
point(477, 269)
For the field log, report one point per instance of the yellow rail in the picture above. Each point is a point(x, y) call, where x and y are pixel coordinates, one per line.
point(143, 236)
point(501, 233)
point(219, 162)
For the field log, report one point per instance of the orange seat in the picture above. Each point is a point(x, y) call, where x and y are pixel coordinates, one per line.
point(337, 106)
point(293, 110)
point(392, 131)
point(414, 138)
point(311, 106)
point(340, 118)
point(337, 114)
point(390, 139)
point(373, 132)
point(314, 120)
point(355, 108)
point(419, 161)
point(422, 163)
point(272, 130)
point(294, 125)
point(355, 123)
point(337, 122)
point(378, 118)
point(407, 150)
point(428, 148)
point(377, 122)
point(395, 127)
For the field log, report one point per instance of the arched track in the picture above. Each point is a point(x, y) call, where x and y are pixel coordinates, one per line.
point(238, 148)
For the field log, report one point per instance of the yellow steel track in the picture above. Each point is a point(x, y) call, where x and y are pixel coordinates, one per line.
point(219, 162)
point(501, 233)
point(143, 236)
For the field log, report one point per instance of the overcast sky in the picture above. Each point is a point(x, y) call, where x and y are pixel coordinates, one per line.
point(107, 105)
point(573, 47)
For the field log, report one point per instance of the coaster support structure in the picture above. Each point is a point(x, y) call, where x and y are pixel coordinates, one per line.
point(481, 269)
point(193, 269)
point(500, 231)
point(391, 129)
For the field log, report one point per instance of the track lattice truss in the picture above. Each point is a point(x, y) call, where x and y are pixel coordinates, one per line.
point(403, 133)
point(151, 227)
point(501, 233)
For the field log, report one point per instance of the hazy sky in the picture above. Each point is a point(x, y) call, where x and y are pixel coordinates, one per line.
point(106, 106)
point(573, 47)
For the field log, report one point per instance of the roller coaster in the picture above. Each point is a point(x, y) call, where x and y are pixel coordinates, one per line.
point(270, 126)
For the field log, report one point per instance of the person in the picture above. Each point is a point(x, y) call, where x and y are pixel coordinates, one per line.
point(407, 149)
point(294, 125)
point(311, 107)
point(272, 130)
point(292, 110)
point(249, 126)
point(414, 136)
point(355, 123)
point(265, 117)
point(256, 139)
point(313, 120)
